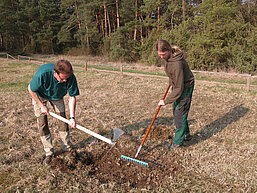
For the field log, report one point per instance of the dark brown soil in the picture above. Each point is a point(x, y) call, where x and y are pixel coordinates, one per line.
point(108, 166)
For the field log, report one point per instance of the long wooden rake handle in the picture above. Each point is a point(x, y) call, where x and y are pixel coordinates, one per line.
point(149, 128)
point(84, 129)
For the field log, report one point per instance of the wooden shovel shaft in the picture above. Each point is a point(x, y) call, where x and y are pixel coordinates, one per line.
point(149, 128)
point(84, 129)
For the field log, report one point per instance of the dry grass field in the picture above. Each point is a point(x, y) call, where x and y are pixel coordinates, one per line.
point(221, 157)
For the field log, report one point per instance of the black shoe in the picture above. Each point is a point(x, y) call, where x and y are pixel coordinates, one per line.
point(47, 160)
point(67, 149)
point(188, 137)
point(173, 146)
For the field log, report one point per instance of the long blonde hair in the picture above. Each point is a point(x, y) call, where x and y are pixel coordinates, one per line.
point(176, 50)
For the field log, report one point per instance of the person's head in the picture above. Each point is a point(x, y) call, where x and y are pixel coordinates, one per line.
point(164, 49)
point(62, 70)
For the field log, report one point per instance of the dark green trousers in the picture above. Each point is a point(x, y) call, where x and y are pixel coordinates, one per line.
point(180, 111)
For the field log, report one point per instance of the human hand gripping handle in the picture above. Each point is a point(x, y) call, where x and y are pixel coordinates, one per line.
point(72, 122)
point(44, 110)
point(35, 97)
point(148, 130)
point(84, 129)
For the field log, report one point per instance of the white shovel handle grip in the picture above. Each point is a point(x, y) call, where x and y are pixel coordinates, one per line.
point(83, 129)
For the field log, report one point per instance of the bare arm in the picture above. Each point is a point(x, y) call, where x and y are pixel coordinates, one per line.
point(34, 95)
point(72, 107)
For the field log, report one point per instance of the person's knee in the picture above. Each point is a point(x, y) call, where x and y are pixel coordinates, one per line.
point(63, 126)
point(43, 125)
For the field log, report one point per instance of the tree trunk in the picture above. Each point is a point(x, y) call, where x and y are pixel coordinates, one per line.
point(109, 23)
point(113, 20)
point(96, 18)
point(118, 15)
point(158, 21)
point(86, 36)
point(101, 19)
point(141, 35)
point(77, 14)
point(183, 10)
point(135, 30)
point(105, 20)
point(172, 17)
point(1, 42)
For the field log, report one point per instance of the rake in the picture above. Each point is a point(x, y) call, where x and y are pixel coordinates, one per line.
point(116, 132)
point(134, 160)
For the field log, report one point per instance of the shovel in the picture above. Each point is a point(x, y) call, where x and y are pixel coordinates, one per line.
point(116, 132)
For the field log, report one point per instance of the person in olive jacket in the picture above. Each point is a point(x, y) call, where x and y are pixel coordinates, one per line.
point(182, 81)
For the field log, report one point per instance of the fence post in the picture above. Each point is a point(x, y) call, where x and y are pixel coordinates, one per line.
point(18, 58)
point(86, 67)
point(121, 69)
point(7, 56)
point(248, 84)
point(29, 59)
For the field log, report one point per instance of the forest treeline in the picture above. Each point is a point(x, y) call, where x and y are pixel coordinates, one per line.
point(214, 34)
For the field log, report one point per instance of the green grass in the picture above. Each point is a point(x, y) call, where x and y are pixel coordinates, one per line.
point(20, 85)
point(221, 79)
point(15, 64)
point(117, 69)
point(108, 100)
point(224, 79)
point(15, 76)
point(14, 86)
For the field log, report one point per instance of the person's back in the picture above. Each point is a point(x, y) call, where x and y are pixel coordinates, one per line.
point(173, 65)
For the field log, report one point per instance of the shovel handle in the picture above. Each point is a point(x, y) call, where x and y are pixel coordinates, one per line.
point(83, 129)
point(149, 128)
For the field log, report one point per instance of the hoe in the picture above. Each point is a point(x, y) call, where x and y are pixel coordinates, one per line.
point(134, 160)
point(116, 132)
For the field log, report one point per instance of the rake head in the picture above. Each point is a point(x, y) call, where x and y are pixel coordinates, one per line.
point(132, 160)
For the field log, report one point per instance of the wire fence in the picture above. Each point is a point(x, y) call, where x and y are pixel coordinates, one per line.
point(121, 67)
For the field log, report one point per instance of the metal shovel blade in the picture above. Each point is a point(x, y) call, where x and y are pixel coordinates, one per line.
point(116, 134)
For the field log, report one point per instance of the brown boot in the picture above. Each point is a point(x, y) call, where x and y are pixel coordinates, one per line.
point(65, 141)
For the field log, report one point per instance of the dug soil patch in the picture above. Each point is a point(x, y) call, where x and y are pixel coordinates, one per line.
point(104, 163)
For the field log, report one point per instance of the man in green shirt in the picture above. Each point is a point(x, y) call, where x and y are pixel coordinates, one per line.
point(50, 84)
point(182, 80)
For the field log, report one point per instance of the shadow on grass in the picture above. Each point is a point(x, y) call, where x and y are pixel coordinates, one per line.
point(219, 124)
point(208, 131)
point(129, 128)
point(146, 123)
point(168, 121)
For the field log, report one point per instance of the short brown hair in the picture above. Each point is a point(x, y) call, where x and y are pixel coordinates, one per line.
point(63, 66)
point(163, 46)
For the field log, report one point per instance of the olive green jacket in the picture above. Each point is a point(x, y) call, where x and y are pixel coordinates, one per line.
point(180, 76)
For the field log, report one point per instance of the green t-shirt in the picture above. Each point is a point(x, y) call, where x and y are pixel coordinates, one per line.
point(47, 86)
